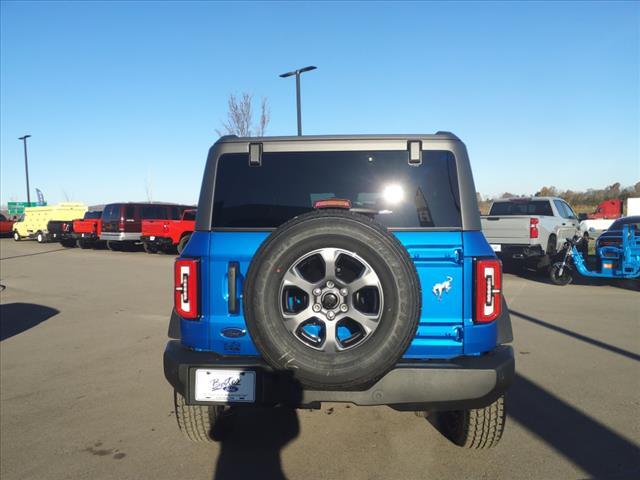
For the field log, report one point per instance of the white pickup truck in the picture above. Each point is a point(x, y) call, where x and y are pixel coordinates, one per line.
point(529, 228)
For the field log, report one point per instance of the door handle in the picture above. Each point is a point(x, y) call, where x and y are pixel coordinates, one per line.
point(232, 279)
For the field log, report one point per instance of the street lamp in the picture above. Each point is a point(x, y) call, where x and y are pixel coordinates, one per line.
point(297, 74)
point(26, 166)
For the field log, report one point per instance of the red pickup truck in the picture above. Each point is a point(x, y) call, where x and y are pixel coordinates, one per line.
point(167, 235)
point(87, 230)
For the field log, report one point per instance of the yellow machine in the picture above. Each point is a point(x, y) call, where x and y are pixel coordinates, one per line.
point(34, 223)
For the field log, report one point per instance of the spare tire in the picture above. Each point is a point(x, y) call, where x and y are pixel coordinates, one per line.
point(334, 297)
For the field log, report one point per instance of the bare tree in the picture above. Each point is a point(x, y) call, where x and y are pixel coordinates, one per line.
point(148, 186)
point(547, 192)
point(240, 117)
point(265, 116)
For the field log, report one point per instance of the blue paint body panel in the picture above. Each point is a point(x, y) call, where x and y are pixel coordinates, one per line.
point(446, 327)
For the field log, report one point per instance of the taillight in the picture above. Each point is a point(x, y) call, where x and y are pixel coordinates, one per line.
point(186, 288)
point(488, 293)
point(533, 227)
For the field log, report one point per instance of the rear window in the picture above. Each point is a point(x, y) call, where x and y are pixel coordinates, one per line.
point(517, 207)
point(92, 215)
point(380, 184)
point(175, 212)
point(633, 222)
point(111, 213)
point(157, 212)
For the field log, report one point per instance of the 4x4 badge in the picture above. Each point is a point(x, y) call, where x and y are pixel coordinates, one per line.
point(443, 287)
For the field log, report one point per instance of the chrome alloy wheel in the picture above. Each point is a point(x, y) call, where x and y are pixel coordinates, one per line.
point(331, 300)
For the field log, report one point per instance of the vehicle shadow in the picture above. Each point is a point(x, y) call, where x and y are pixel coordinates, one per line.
point(576, 335)
point(16, 318)
point(251, 439)
point(584, 441)
point(36, 253)
point(251, 442)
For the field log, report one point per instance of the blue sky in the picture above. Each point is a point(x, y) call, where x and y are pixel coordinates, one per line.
point(124, 95)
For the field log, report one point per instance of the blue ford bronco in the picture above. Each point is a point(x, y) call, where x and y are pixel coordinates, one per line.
point(340, 269)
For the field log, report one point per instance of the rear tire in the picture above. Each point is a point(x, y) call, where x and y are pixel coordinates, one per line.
point(552, 246)
point(83, 244)
point(40, 238)
point(197, 422)
point(556, 278)
point(68, 243)
point(475, 428)
point(183, 243)
point(113, 246)
point(149, 248)
point(16, 236)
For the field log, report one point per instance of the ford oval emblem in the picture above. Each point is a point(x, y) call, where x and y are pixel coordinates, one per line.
point(233, 332)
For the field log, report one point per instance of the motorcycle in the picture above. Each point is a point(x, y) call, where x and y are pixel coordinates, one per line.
point(561, 272)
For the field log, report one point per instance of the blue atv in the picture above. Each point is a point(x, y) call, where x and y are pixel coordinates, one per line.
point(341, 269)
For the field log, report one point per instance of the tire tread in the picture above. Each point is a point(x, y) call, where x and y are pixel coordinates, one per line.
point(195, 421)
point(478, 428)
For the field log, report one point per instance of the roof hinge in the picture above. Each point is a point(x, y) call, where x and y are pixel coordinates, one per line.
point(415, 152)
point(255, 154)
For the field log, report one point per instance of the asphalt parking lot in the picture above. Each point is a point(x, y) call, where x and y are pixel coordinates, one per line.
point(83, 394)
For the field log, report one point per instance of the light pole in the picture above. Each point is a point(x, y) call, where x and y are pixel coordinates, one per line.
point(26, 166)
point(297, 74)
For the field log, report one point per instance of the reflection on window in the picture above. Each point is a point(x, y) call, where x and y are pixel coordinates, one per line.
point(424, 215)
point(378, 184)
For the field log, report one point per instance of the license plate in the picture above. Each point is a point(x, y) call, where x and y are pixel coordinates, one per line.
point(152, 238)
point(496, 248)
point(225, 385)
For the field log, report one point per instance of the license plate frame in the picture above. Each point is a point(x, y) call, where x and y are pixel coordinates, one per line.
point(224, 385)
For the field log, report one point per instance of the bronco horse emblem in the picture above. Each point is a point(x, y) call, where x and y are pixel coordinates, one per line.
point(443, 287)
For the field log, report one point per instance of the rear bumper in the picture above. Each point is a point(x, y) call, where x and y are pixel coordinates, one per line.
point(58, 237)
point(162, 242)
point(120, 236)
point(465, 382)
point(521, 252)
point(86, 236)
